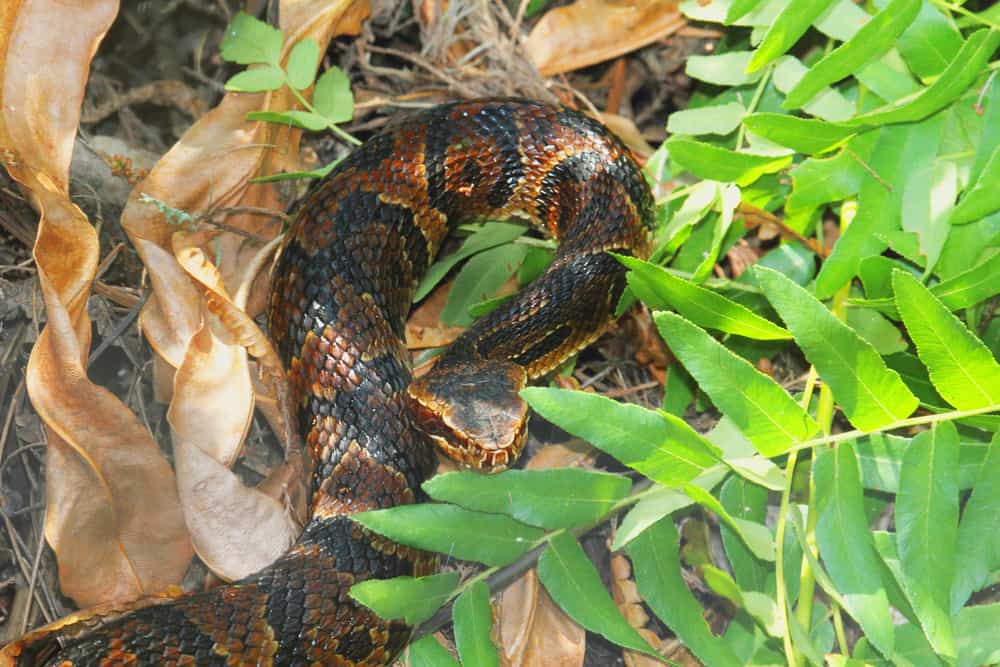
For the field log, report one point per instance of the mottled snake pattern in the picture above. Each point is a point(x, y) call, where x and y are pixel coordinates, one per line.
point(342, 289)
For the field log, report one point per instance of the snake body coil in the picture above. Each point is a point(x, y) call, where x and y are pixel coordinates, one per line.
point(341, 292)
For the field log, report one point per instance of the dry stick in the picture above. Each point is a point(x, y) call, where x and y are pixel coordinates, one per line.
point(34, 579)
point(508, 574)
point(119, 329)
point(15, 541)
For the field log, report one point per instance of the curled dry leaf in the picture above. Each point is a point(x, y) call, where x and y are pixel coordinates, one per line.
point(592, 31)
point(209, 421)
point(201, 332)
point(113, 516)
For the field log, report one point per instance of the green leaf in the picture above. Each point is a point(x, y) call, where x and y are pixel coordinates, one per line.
point(978, 545)
point(871, 394)
point(983, 197)
point(881, 457)
point(332, 97)
point(574, 584)
point(658, 577)
point(302, 63)
point(804, 135)
point(846, 545)
point(729, 199)
point(964, 68)
point(658, 288)
point(989, 137)
point(830, 104)
point(558, 498)
point(721, 164)
point(304, 119)
point(660, 446)
point(760, 408)
point(878, 212)
point(727, 69)
point(927, 530)
point(872, 40)
point(960, 366)
point(249, 41)
point(976, 635)
point(414, 599)
point(473, 620)
point(817, 181)
point(930, 42)
point(929, 186)
point(490, 236)
point(428, 652)
point(877, 330)
point(256, 80)
point(791, 24)
point(755, 535)
point(658, 504)
point(739, 9)
point(748, 502)
point(720, 119)
point(480, 279)
point(488, 538)
point(321, 172)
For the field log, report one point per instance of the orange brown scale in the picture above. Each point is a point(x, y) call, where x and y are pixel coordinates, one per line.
point(341, 291)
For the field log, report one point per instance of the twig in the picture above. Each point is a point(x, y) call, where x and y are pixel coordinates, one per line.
point(119, 329)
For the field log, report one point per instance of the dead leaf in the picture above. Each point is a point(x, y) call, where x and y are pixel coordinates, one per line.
point(207, 286)
point(424, 328)
point(534, 630)
point(592, 31)
point(113, 516)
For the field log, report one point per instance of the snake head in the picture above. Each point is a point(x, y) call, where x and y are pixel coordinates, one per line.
point(472, 412)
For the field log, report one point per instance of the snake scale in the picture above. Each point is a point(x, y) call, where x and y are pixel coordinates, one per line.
point(342, 288)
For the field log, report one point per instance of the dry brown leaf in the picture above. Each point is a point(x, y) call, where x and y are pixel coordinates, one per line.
point(592, 31)
point(424, 328)
point(113, 515)
point(626, 596)
point(534, 630)
point(201, 331)
point(209, 416)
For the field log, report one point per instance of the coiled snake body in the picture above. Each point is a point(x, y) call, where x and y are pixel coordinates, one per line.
point(341, 292)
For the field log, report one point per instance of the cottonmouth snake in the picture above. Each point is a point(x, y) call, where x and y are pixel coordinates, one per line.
point(341, 292)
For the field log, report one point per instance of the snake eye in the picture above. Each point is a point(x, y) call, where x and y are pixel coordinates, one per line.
point(472, 412)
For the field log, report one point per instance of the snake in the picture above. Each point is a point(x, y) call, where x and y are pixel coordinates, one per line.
point(341, 291)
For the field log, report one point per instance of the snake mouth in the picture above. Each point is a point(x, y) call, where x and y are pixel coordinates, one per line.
point(473, 414)
point(488, 455)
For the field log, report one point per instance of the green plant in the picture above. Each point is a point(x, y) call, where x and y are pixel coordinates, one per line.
point(249, 41)
point(887, 121)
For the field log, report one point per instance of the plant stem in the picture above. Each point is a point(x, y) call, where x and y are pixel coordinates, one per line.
point(754, 101)
point(783, 603)
point(958, 9)
point(309, 107)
